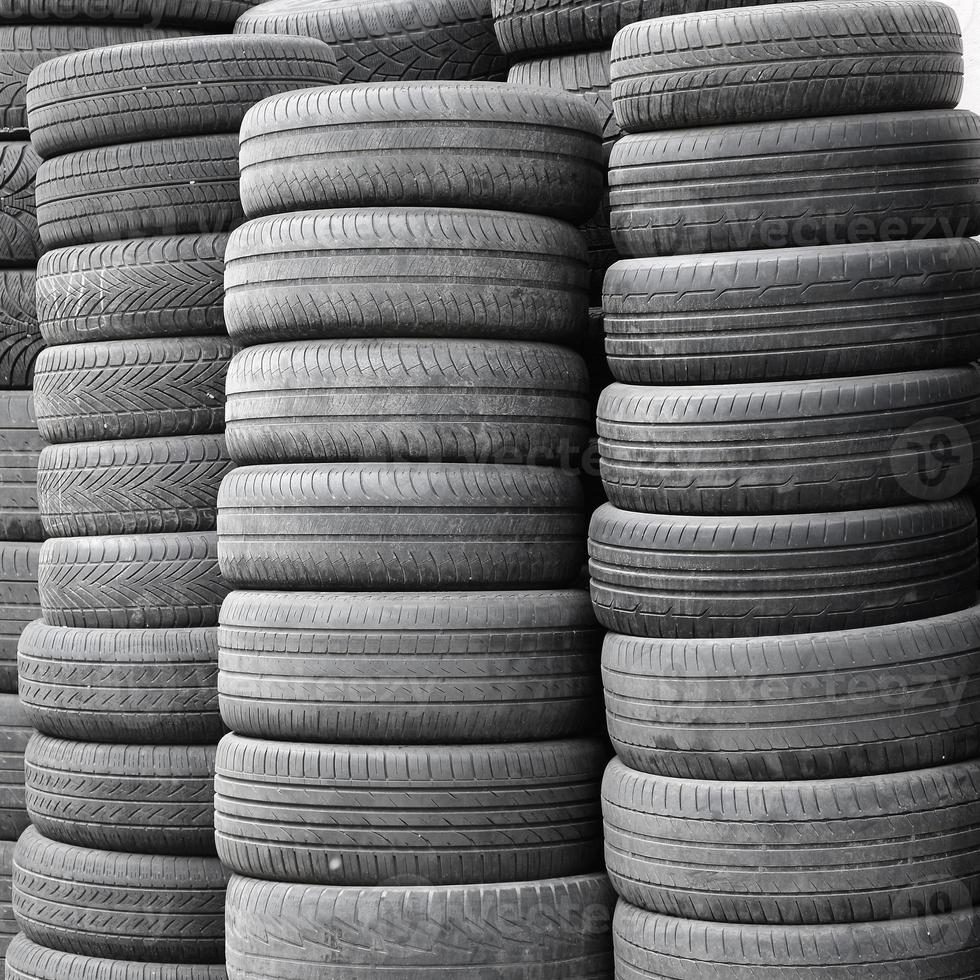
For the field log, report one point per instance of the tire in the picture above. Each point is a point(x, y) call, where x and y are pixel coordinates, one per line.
point(132, 389)
point(143, 581)
point(799, 853)
point(119, 906)
point(135, 486)
point(20, 341)
point(134, 190)
point(794, 313)
point(791, 62)
point(19, 602)
point(849, 180)
point(405, 272)
point(20, 242)
point(790, 446)
point(145, 288)
point(399, 526)
point(654, 947)
point(151, 799)
point(127, 685)
point(165, 89)
point(816, 706)
point(8, 924)
point(416, 668)
point(438, 144)
point(366, 816)
point(690, 577)
point(135, 12)
point(20, 445)
point(403, 400)
point(552, 930)
point(15, 733)
point(391, 40)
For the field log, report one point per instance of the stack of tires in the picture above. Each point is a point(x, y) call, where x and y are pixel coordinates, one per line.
point(137, 192)
point(788, 564)
point(409, 679)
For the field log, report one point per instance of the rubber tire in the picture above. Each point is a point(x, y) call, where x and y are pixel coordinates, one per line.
point(797, 853)
point(135, 486)
point(794, 313)
point(141, 581)
point(20, 242)
point(655, 947)
point(790, 446)
point(403, 400)
point(134, 190)
point(15, 733)
point(399, 526)
point(790, 62)
point(132, 389)
point(120, 906)
point(128, 685)
point(19, 602)
point(391, 40)
point(405, 272)
point(136, 12)
point(144, 288)
point(856, 179)
point(816, 706)
point(165, 89)
point(388, 668)
point(691, 577)
point(20, 446)
point(551, 930)
point(375, 815)
point(151, 799)
point(480, 145)
point(8, 924)
point(20, 341)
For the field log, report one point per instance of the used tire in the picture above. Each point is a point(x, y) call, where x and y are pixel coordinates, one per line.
point(20, 242)
point(156, 686)
point(465, 401)
point(793, 313)
point(367, 816)
point(20, 446)
point(120, 906)
point(852, 179)
point(401, 526)
point(132, 389)
point(659, 575)
point(133, 190)
point(551, 930)
point(151, 799)
point(405, 272)
point(821, 851)
point(165, 89)
point(136, 12)
point(142, 581)
point(135, 486)
point(20, 339)
point(814, 706)
point(408, 668)
point(19, 602)
point(8, 924)
point(15, 733)
point(391, 40)
point(790, 446)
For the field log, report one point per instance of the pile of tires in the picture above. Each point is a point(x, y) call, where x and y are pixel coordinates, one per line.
point(788, 562)
point(410, 679)
point(136, 195)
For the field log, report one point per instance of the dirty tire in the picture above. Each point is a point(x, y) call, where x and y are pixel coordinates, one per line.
point(413, 668)
point(661, 575)
point(134, 190)
point(551, 930)
point(132, 389)
point(20, 339)
point(391, 40)
point(463, 401)
point(151, 907)
point(20, 242)
point(20, 446)
point(19, 602)
point(165, 89)
point(400, 526)
point(373, 815)
point(15, 733)
point(134, 12)
point(405, 272)
point(156, 686)
point(134, 486)
point(793, 313)
point(143, 581)
point(857, 179)
point(8, 924)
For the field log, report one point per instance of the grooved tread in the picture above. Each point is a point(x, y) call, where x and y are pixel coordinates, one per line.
point(20, 242)
point(20, 339)
point(19, 602)
point(15, 733)
point(20, 446)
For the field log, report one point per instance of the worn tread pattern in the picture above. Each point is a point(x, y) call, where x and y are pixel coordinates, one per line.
point(136, 12)
point(20, 338)
point(20, 446)
point(20, 241)
point(8, 924)
point(15, 733)
point(19, 602)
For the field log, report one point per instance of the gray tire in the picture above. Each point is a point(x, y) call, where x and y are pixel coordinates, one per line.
point(20, 446)
point(19, 602)
point(20, 339)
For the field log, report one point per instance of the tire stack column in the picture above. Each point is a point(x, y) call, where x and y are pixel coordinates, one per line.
point(136, 194)
point(788, 562)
